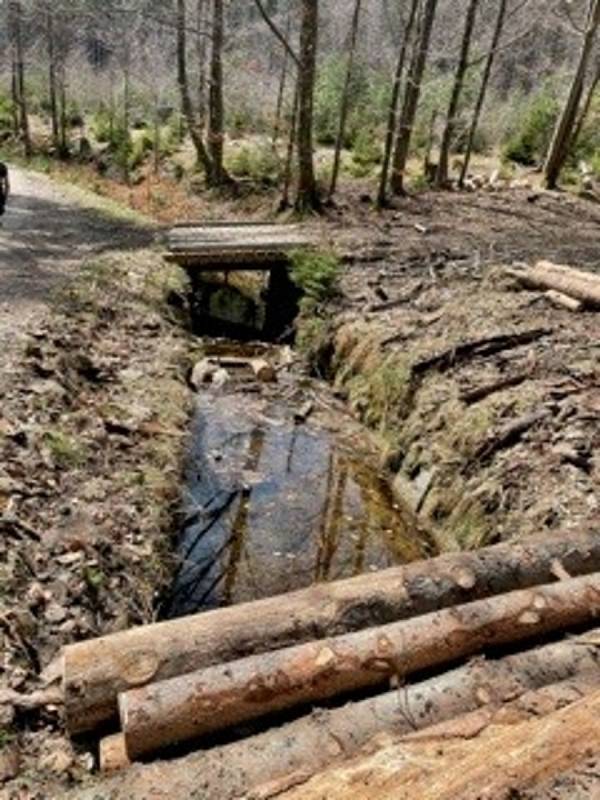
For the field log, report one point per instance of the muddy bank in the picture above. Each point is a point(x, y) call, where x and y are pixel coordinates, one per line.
point(484, 396)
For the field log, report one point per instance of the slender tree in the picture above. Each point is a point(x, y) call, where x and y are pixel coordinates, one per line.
point(216, 115)
point(193, 123)
point(15, 12)
point(487, 71)
point(563, 132)
point(345, 101)
point(393, 108)
point(441, 178)
point(307, 197)
point(411, 96)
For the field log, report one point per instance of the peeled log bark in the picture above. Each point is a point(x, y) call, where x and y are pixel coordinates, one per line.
point(583, 286)
point(502, 761)
point(219, 697)
point(96, 671)
point(313, 742)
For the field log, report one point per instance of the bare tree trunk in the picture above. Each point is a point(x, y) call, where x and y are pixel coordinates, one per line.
point(307, 198)
point(563, 133)
point(587, 104)
point(441, 178)
point(218, 175)
point(282, 84)
point(345, 106)
point(63, 116)
point(393, 110)
point(52, 78)
point(201, 52)
point(289, 159)
point(16, 14)
point(411, 97)
point(14, 90)
point(491, 57)
point(193, 124)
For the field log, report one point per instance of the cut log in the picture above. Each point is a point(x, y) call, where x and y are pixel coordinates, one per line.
point(113, 753)
point(502, 761)
point(263, 371)
point(478, 393)
point(563, 301)
point(583, 286)
point(311, 743)
point(219, 697)
point(95, 671)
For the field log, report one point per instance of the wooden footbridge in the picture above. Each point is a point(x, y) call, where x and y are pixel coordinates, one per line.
point(228, 246)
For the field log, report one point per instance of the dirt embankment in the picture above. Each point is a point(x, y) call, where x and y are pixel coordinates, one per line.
point(94, 407)
point(486, 397)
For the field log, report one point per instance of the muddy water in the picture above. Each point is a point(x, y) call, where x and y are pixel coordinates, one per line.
point(272, 505)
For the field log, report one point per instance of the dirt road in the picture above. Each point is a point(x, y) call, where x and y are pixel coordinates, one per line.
point(48, 233)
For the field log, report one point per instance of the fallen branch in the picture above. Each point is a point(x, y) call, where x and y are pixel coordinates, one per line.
point(95, 671)
point(507, 436)
point(220, 697)
point(478, 348)
point(479, 393)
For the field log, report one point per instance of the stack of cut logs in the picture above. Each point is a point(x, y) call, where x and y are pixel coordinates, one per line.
point(183, 680)
point(563, 286)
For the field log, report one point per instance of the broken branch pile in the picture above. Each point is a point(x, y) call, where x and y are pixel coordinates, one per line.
point(180, 680)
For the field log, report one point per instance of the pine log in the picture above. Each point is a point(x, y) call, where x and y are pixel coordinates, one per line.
point(583, 286)
point(95, 671)
point(500, 762)
point(219, 697)
point(563, 301)
point(313, 742)
point(113, 753)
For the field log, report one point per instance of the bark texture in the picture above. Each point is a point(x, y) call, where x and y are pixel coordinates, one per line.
point(583, 286)
point(498, 761)
point(216, 698)
point(313, 742)
point(95, 671)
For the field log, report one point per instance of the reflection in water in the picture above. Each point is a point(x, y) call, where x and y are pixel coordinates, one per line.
point(274, 506)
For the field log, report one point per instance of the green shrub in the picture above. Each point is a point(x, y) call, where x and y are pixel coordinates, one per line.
point(328, 97)
point(529, 142)
point(258, 162)
point(367, 148)
point(317, 274)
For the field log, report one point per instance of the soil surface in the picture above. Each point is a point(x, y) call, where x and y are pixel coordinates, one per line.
point(46, 234)
point(94, 403)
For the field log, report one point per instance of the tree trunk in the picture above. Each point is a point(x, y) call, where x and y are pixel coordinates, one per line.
point(282, 83)
point(218, 175)
point(345, 104)
point(63, 114)
point(587, 104)
point(441, 178)
point(17, 34)
point(219, 697)
point(309, 744)
point(411, 97)
point(307, 197)
point(284, 203)
point(52, 91)
point(201, 52)
point(97, 670)
point(562, 138)
point(491, 57)
point(393, 109)
point(187, 107)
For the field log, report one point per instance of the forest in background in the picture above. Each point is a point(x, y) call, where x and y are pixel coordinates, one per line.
point(295, 94)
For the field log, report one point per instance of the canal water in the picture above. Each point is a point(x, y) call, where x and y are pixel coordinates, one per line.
point(272, 505)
